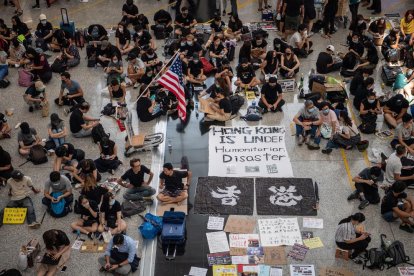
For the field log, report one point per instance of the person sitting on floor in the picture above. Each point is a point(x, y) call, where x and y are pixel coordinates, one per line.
point(404, 133)
point(6, 167)
point(110, 216)
point(270, 64)
point(120, 256)
point(150, 59)
point(86, 168)
point(57, 130)
point(35, 94)
point(66, 158)
point(143, 39)
point(135, 70)
point(307, 122)
point(73, 97)
point(16, 53)
point(57, 184)
point(108, 160)
point(148, 109)
point(347, 136)
point(300, 42)
point(221, 108)
point(81, 124)
point(348, 237)
point(123, 39)
point(369, 108)
point(325, 62)
point(163, 17)
point(20, 188)
point(44, 30)
point(96, 32)
point(246, 76)
point(363, 92)
point(88, 222)
point(58, 249)
point(271, 98)
point(289, 64)
point(394, 110)
point(184, 23)
point(366, 186)
point(27, 138)
point(117, 91)
point(171, 185)
point(195, 74)
point(92, 191)
point(396, 204)
point(5, 129)
point(137, 188)
point(114, 70)
point(330, 124)
point(357, 81)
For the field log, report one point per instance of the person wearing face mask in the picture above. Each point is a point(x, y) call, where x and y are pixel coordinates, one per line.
point(44, 29)
point(329, 124)
point(300, 42)
point(325, 62)
point(271, 98)
point(106, 52)
point(150, 59)
point(147, 78)
point(17, 52)
point(184, 23)
point(360, 27)
point(130, 13)
point(363, 92)
point(358, 80)
point(217, 26)
point(394, 110)
point(246, 76)
point(114, 70)
point(123, 39)
point(189, 48)
point(136, 69)
point(369, 108)
point(259, 45)
point(355, 44)
point(391, 47)
point(110, 215)
point(96, 32)
point(307, 122)
point(289, 64)
point(217, 51)
point(366, 186)
point(403, 133)
point(108, 159)
point(88, 222)
point(195, 73)
point(35, 95)
point(143, 39)
point(162, 18)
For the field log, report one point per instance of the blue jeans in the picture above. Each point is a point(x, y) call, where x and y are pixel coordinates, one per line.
point(311, 132)
point(137, 193)
point(58, 141)
point(22, 203)
point(331, 145)
point(4, 71)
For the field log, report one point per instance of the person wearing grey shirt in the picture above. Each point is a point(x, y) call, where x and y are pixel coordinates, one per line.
point(55, 184)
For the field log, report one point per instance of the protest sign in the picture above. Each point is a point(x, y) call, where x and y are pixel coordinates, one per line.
point(279, 231)
point(14, 215)
point(240, 225)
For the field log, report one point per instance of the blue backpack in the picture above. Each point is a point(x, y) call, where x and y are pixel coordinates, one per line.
point(58, 209)
point(151, 227)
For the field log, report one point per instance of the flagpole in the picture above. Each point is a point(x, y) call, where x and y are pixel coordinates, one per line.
point(155, 78)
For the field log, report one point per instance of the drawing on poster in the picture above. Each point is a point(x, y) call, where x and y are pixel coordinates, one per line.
point(222, 258)
point(256, 255)
point(228, 196)
point(248, 151)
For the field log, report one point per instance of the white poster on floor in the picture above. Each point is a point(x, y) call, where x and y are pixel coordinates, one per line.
point(279, 231)
point(248, 151)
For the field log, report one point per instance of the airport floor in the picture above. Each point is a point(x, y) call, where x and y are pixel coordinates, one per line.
point(333, 172)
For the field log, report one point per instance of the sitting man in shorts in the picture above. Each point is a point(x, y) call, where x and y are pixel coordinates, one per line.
point(171, 185)
point(396, 204)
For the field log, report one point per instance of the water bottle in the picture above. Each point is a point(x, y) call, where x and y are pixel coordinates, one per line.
point(169, 145)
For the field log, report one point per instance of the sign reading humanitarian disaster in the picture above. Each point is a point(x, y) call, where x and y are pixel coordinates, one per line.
point(248, 151)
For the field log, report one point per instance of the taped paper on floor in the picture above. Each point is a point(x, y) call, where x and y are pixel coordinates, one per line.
point(279, 231)
point(224, 195)
point(248, 151)
point(285, 196)
point(217, 242)
point(302, 270)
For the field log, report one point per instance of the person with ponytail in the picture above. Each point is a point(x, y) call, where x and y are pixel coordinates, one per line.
point(348, 237)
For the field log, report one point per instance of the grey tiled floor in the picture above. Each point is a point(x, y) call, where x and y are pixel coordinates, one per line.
point(329, 171)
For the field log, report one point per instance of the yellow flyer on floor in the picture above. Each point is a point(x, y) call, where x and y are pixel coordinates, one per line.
point(224, 270)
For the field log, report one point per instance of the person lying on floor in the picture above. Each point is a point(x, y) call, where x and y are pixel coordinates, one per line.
point(171, 185)
point(366, 188)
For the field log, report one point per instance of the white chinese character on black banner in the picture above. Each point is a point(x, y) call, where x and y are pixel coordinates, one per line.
point(283, 196)
point(228, 196)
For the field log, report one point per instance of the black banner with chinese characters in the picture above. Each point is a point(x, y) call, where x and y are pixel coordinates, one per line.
point(285, 196)
point(224, 195)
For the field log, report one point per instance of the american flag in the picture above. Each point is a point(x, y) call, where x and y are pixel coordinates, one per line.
point(173, 81)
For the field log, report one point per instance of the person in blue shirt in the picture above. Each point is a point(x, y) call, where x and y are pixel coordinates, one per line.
point(120, 255)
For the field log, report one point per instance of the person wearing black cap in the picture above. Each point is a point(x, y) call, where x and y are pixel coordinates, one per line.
point(5, 129)
point(246, 77)
point(394, 110)
point(271, 96)
point(195, 74)
point(162, 18)
point(20, 188)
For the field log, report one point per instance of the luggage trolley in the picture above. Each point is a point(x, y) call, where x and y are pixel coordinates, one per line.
point(139, 142)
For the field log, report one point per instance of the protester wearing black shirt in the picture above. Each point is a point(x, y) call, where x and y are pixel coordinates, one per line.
point(366, 184)
point(246, 77)
point(190, 48)
point(138, 188)
point(371, 60)
point(221, 108)
point(146, 108)
point(293, 10)
point(106, 52)
point(184, 23)
point(123, 39)
point(234, 28)
point(391, 45)
point(130, 13)
point(162, 17)
point(86, 168)
point(110, 217)
point(195, 73)
point(78, 121)
point(358, 80)
point(394, 109)
point(143, 38)
point(325, 63)
point(142, 21)
point(66, 155)
point(44, 29)
point(6, 167)
point(271, 96)
point(88, 222)
point(369, 108)
point(225, 71)
point(57, 245)
point(217, 26)
point(217, 51)
point(150, 59)
point(171, 185)
point(356, 46)
point(363, 92)
point(96, 32)
point(397, 204)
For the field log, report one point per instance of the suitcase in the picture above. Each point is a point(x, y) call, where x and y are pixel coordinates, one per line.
point(173, 233)
point(389, 74)
point(65, 24)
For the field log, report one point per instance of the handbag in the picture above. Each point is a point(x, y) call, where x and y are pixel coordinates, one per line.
point(326, 131)
point(48, 260)
point(33, 249)
point(45, 108)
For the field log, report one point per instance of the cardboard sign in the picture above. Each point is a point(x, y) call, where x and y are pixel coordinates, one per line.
point(93, 247)
point(334, 271)
point(275, 255)
point(240, 225)
point(342, 254)
point(14, 215)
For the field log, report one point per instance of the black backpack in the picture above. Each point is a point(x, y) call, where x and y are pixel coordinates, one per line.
point(37, 155)
point(375, 259)
point(98, 133)
point(108, 110)
point(130, 207)
point(10, 272)
point(236, 103)
point(368, 127)
point(395, 253)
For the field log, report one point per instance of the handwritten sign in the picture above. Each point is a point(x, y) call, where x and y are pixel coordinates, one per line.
point(244, 240)
point(279, 231)
point(224, 270)
point(406, 271)
point(274, 255)
point(313, 243)
point(335, 271)
point(14, 215)
point(240, 225)
point(215, 223)
point(217, 242)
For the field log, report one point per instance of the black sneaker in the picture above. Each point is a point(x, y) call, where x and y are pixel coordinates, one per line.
point(327, 151)
point(363, 204)
point(357, 260)
point(406, 228)
point(90, 235)
point(31, 109)
point(35, 7)
point(353, 195)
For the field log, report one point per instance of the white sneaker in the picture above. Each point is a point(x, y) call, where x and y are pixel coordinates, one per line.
point(136, 85)
point(301, 139)
point(34, 225)
point(66, 110)
point(307, 139)
point(17, 65)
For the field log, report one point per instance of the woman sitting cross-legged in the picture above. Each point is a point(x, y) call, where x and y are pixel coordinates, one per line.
point(88, 222)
